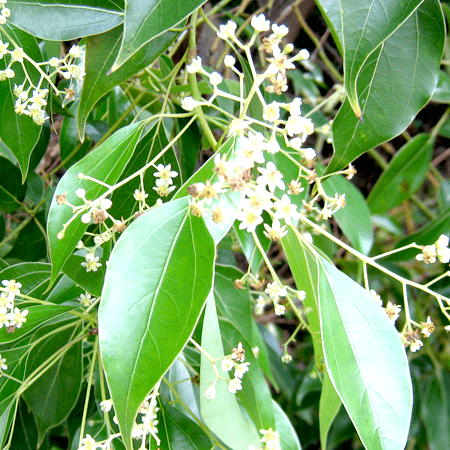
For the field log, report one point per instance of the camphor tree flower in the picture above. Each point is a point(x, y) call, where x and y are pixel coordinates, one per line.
point(428, 327)
point(275, 232)
point(234, 385)
point(393, 311)
point(274, 290)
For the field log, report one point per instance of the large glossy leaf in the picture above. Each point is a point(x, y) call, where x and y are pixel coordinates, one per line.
point(105, 163)
point(363, 27)
point(366, 361)
point(12, 192)
point(222, 413)
point(101, 50)
point(354, 218)
point(158, 278)
point(396, 81)
point(66, 20)
point(404, 175)
point(53, 395)
point(146, 20)
point(19, 133)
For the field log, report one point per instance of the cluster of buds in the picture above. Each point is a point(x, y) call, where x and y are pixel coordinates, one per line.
point(11, 317)
point(148, 420)
point(233, 361)
point(30, 96)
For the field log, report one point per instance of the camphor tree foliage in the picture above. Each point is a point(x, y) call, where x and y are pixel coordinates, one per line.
point(195, 271)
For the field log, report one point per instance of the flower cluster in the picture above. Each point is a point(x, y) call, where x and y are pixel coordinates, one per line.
point(233, 361)
point(4, 12)
point(164, 183)
point(11, 317)
point(437, 250)
point(3, 365)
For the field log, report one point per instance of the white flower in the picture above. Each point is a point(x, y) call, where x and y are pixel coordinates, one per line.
point(259, 23)
point(3, 366)
point(250, 218)
point(260, 305)
point(272, 146)
point(106, 405)
point(4, 317)
point(226, 365)
point(279, 309)
point(165, 173)
point(276, 231)
point(210, 392)
point(299, 125)
point(3, 48)
point(280, 30)
point(308, 153)
point(9, 73)
point(229, 61)
point(270, 177)
point(428, 255)
point(250, 150)
point(286, 358)
point(271, 438)
point(303, 54)
point(235, 385)
point(286, 210)
point(188, 103)
point(442, 252)
point(88, 443)
point(54, 62)
point(228, 30)
point(92, 263)
point(195, 65)
point(17, 318)
point(18, 54)
point(271, 112)
point(274, 290)
point(85, 299)
point(140, 196)
point(12, 288)
point(241, 369)
point(81, 193)
point(75, 51)
point(215, 78)
point(105, 203)
point(2, 19)
point(415, 345)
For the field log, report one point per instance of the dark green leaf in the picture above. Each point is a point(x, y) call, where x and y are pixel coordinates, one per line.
point(404, 175)
point(25, 435)
point(91, 282)
point(101, 51)
point(19, 133)
point(53, 395)
point(71, 150)
point(163, 263)
point(396, 81)
point(105, 163)
point(11, 189)
point(366, 361)
point(35, 188)
point(66, 20)
point(144, 21)
point(34, 277)
point(188, 146)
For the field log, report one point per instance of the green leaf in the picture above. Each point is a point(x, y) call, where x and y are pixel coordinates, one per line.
point(404, 175)
point(366, 361)
point(66, 20)
point(396, 81)
point(25, 434)
point(354, 218)
point(37, 315)
point(221, 414)
point(12, 191)
point(176, 431)
point(442, 92)
point(101, 51)
point(144, 21)
point(364, 27)
point(19, 133)
point(105, 163)
point(54, 394)
point(233, 304)
point(91, 282)
point(288, 436)
point(158, 278)
point(435, 411)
